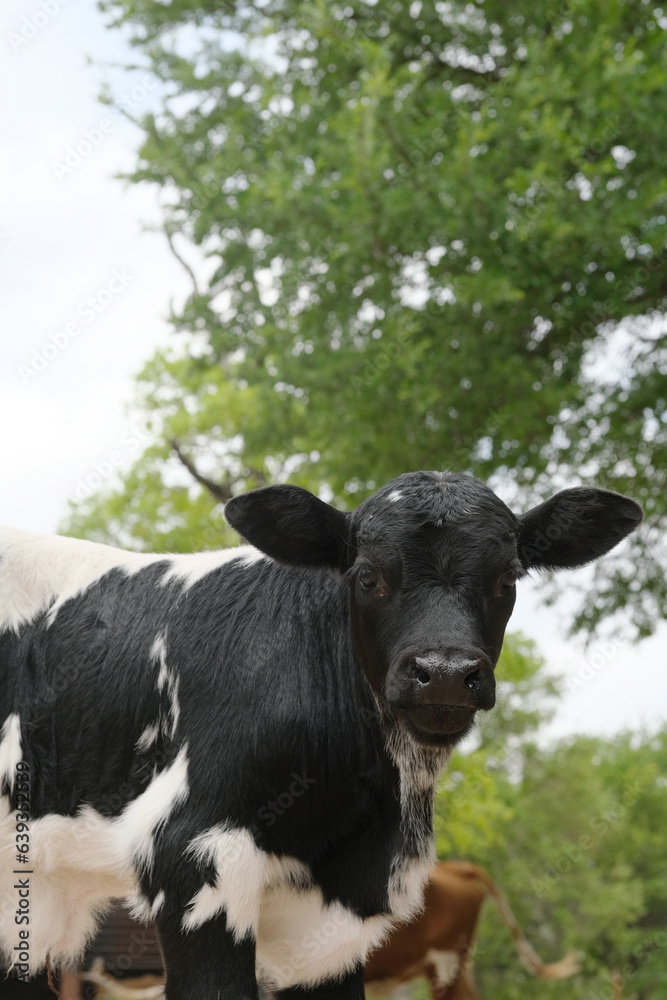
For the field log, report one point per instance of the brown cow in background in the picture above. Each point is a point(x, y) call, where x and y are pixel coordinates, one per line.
point(437, 943)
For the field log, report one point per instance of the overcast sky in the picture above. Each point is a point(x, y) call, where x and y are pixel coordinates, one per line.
point(85, 293)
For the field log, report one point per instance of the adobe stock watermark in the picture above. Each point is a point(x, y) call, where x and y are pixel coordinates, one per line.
point(635, 962)
point(548, 190)
point(577, 851)
point(31, 25)
point(629, 288)
point(87, 310)
point(423, 151)
point(92, 138)
point(599, 656)
point(104, 469)
point(21, 950)
point(381, 360)
point(272, 809)
point(75, 154)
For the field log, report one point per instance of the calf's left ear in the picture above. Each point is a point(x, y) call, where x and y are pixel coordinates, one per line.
point(291, 525)
point(574, 527)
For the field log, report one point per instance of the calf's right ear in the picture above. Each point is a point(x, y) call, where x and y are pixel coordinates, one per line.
point(574, 527)
point(291, 525)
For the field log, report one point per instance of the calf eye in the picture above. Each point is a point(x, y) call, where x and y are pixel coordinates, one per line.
point(367, 577)
point(505, 583)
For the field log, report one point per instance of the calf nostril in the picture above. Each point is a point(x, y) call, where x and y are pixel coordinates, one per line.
point(419, 673)
point(471, 680)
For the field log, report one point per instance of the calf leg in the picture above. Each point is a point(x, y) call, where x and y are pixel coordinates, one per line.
point(207, 963)
point(350, 987)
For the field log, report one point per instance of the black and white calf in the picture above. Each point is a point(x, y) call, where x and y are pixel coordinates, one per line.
point(244, 744)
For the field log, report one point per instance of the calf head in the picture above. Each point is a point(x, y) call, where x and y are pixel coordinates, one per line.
point(432, 560)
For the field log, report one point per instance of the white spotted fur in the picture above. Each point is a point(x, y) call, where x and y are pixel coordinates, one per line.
point(80, 862)
point(148, 737)
point(10, 749)
point(240, 879)
point(41, 572)
point(299, 938)
point(304, 940)
point(168, 678)
point(193, 567)
point(77, 864)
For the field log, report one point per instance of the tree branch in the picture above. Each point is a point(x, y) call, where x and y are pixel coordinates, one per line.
point(221, 491)
point(181, 261)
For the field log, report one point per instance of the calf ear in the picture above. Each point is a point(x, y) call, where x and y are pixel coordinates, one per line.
point(574, 527)
point(291, 525)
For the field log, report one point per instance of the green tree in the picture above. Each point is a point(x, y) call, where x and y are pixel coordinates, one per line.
point(422, 224)
point(574, 838)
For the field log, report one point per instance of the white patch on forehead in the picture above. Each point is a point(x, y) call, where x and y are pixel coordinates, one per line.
point(41, 572)
point(394, 496)
point(78, 863)
point(447, 965)
point(10, 749)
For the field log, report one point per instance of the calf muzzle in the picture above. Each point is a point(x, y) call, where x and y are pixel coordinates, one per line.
point(440, 690)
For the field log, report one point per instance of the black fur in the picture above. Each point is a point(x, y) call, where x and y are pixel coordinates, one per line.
point(282, 671)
